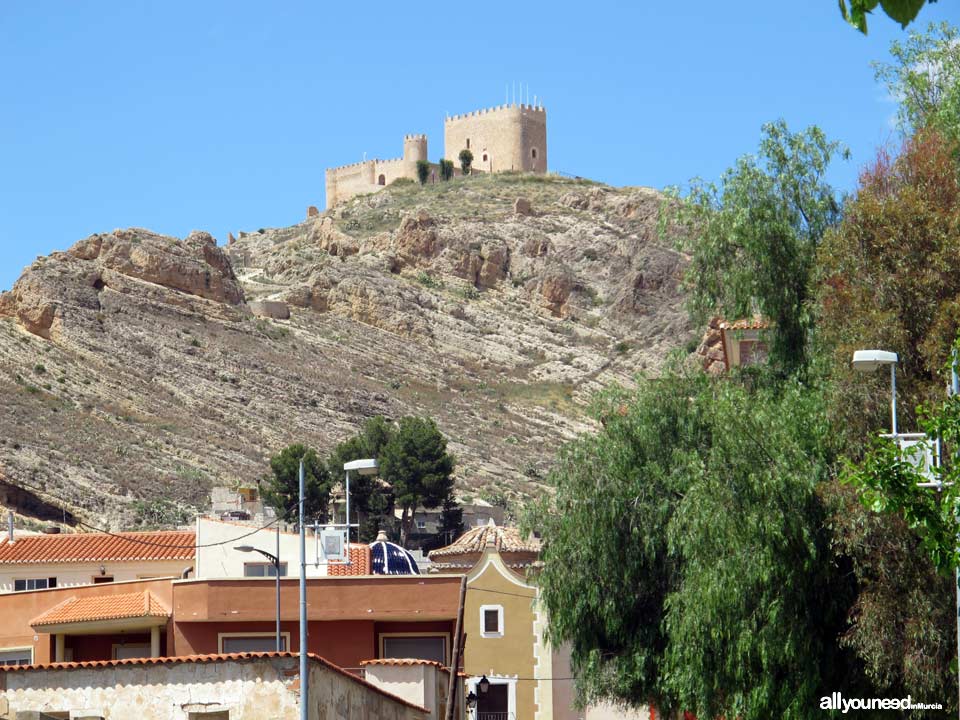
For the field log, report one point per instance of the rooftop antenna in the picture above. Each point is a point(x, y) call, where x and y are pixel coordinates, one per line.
point(514, 94)
point(506, 94)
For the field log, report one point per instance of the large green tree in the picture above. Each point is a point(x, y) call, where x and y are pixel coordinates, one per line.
point(418, 467)
point(753, 237)
point(281, 487)
point(684, 552)
point(925, 78)
point(370, 495)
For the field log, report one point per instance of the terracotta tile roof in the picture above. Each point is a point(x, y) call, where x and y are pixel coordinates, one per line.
point(102, 607)
point(100, 547)
point(219, 657)
point(754, 323)
point(401, 661)
point(359, 562)
point(474, 540)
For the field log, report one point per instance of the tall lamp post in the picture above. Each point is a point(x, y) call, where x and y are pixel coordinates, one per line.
point(363, 467)
point(275, 561)
point(869, 360)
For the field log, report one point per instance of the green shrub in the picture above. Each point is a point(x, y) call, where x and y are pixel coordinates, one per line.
point(446, 169)
point(423, 171)
point(466, 160)
point(39, 369)
point(427, 280)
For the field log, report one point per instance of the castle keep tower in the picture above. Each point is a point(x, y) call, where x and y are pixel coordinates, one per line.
point(505, 137)
point(414, 149)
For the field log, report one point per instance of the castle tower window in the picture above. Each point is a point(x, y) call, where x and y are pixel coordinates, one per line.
point(468, 143)
point(484, 157)
point(382, 180)
point(533, 153)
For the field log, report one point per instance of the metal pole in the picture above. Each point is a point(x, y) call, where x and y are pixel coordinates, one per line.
point(277, 573)
point(304, 672)
point(893, 399)
point(347, 472)
point(954, 391)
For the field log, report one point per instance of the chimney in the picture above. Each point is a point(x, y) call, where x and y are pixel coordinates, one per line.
point(10, 538)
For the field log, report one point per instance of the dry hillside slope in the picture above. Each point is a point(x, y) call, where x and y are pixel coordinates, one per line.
point(132, 368)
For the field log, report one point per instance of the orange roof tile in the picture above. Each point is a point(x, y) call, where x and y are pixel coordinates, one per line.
point(474, 540)
point(405, 662)
point(359, 562)
point(219, 657)
point(100, 547)
point(102, 607)
point(754, 323)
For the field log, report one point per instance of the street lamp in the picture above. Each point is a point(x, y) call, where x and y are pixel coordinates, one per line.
point(366, 466)
point(870, 360)
point(275, 560)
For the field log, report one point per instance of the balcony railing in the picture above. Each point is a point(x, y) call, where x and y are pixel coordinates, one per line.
point(495, 716)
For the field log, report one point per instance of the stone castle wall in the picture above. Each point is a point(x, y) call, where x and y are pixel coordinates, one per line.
point(502, 138)
point(369, 176)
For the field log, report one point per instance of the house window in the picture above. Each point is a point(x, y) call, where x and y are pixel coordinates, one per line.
point(98, 579)
point(421, 524)
point(210, 715)
point(16, 656)
point(252, 642)
point(421, 647)
point(491, 621)
point(34, 583)
point(255, 569)
point(129, 651)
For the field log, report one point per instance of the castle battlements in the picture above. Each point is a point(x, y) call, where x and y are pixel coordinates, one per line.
point(415, 137)
point(498, 108)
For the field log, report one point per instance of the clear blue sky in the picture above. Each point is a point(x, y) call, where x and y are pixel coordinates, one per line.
point(223, 115)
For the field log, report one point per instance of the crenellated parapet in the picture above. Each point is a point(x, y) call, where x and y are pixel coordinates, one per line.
point(511, 107)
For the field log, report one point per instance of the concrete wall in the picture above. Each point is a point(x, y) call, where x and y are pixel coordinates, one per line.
point(73, 574)
point(222, 561)
point(507, 134)
point(248, 689)
point(423, 684)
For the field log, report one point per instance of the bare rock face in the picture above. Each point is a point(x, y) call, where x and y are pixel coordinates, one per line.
point(555, 288)
point(66, 284)
point(710, 349)
point(152, 378)
point(521, 206)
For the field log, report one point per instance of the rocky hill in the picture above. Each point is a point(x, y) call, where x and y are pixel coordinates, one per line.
point(133, 367)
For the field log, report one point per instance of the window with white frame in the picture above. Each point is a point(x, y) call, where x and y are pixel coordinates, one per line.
point(16, 656)
point(263, 569)
point(491, 621)
point(252, 642)
point(34, 583)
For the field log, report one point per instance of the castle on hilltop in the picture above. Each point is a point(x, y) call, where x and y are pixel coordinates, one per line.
point(501, 138)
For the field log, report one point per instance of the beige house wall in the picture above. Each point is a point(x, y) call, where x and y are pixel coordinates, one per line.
point(512, 658)
point(424, 685)
point(508, 135)
point(73, 574)
point(266, 687)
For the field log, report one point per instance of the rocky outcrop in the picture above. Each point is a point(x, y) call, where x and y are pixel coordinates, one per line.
point(152, 378)
point(70, 283)
point(710, 349)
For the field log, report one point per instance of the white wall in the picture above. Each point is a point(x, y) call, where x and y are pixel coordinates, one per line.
point(222, 561)
point(71, 574)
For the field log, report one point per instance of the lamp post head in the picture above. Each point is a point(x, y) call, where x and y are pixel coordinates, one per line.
point(870, 360)
point(244, 548)
point(367, 466)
